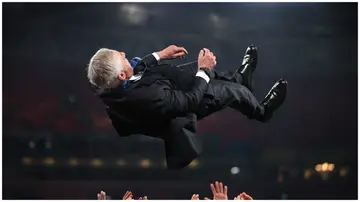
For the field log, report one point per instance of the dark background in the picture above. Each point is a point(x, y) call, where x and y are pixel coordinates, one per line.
point(49, 110)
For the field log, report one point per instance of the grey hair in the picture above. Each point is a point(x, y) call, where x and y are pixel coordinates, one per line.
point(104, 69)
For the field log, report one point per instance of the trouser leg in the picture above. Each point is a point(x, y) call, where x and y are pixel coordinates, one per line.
point(222, 94)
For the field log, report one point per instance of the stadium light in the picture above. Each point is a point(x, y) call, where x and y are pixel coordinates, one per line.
point(235, 170)
point(318, 167)
point(49, 161)
point(307, 174)
point(325, 167)
point(73, 162)
point(145, 163)
point(134, 14)
point(26, 160)
point(97, 162)
point(331, 167)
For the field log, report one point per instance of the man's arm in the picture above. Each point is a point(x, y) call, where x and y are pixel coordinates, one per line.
point(176, 103)
point(161, 100)
point(171, 52)
point(147, 61)
point(150, 60)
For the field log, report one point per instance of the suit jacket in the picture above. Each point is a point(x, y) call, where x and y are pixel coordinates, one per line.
point(161, 104)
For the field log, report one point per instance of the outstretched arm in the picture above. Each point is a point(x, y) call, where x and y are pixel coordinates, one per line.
point(171, 52)
point(171, 103)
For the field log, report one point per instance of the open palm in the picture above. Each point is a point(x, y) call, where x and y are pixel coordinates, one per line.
point(219, 191)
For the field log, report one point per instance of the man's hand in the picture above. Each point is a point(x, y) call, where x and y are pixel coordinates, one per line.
point(172, 52)
point(101, 196)
point(243, 196)
point(206, 59)
point(128, 196)
point(219, 191)
point(143, 198)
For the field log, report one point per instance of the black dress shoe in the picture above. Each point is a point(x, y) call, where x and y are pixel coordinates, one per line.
point(274, 99)
point(248, 66)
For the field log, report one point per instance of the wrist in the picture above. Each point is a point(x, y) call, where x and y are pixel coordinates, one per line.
point(203, 75)
point(207, 71)
point(161, 55)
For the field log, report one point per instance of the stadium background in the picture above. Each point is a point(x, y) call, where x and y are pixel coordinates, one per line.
point(59, 144)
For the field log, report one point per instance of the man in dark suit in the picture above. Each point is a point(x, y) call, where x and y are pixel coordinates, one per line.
point(165, 101)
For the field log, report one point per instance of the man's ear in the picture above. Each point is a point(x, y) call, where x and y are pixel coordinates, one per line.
point(122, 77)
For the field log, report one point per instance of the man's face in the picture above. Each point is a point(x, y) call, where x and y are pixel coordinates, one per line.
point(128, 70)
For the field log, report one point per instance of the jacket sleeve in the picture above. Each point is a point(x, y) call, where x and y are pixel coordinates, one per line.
point(150, 60)
point(147, 61)
point(178, 103)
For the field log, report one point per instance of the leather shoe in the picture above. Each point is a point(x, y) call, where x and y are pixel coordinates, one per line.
point(274, 99)
point(248, 66)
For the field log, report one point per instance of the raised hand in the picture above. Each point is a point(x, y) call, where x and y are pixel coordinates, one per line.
point(243, 196)
point(172, 52)
point(219, 191)
point(101, 196)
point(195, 197)
point(128, 196)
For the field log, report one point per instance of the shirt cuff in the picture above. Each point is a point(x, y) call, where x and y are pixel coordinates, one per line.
point(203, 75)
point(156, 56)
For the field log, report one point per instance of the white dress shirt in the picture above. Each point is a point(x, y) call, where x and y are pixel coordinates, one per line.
point(199, 73)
